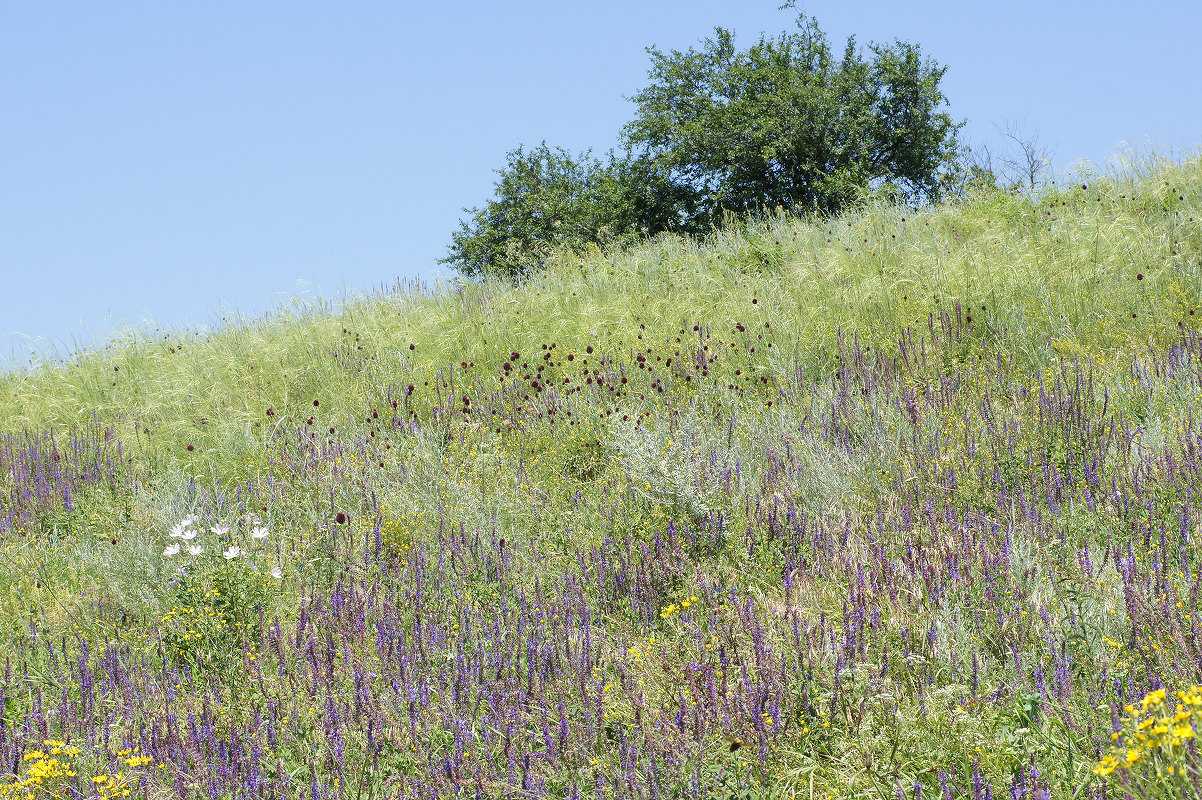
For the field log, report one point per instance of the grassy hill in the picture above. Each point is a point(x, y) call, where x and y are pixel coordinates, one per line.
point(899, 501)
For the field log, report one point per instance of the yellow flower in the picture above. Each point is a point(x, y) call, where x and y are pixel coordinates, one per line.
point(1184, 731)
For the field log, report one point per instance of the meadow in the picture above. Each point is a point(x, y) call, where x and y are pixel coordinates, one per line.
point(902, 503)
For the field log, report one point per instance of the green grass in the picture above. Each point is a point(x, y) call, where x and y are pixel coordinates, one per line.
point(867, 370)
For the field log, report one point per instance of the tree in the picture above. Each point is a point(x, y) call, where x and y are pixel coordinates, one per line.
point(548, 198)
point(720, 131)
point(1021, 164)
point(785, 123)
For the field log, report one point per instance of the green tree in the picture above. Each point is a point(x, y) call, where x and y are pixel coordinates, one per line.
point(549, 198)
point(721, 131)
point(785, 123)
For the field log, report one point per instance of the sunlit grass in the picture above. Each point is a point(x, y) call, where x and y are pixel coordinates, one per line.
point(813, 507)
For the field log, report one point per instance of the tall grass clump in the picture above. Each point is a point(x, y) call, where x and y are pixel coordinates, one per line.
point(899, 503)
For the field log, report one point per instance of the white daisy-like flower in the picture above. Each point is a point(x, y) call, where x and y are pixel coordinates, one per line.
point(171, 550)
point(233, 551)
point(188, 535)
point(195, 549)
point(277, 573)
point(179, 530)
point(259, 533)
point(219, 529)
point(191, 519)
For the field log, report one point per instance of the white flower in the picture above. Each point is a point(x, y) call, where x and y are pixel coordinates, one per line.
point(232, 552)
point(171, 550)
point(219, 529)
point(195, 549)
point(180, 530)
point(190, 520)
point(259, 533)
point(277, 573)
point(188, 535)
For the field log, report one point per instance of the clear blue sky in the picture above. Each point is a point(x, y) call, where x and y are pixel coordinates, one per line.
point(171, 161)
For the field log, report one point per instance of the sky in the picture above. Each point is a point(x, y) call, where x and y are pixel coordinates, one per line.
point(171, 165)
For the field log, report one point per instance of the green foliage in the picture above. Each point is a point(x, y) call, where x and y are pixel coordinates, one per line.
point(550, 198)
point(786, 123)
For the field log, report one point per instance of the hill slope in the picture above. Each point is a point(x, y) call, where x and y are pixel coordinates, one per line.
point(898, 497)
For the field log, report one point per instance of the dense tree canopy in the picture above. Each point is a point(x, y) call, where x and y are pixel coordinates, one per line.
point(782, 124)
point(786, 123)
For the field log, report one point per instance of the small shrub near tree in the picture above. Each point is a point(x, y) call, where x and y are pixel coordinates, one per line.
point(547, 198)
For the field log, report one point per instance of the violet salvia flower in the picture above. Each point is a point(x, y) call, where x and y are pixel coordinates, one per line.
point(945, 786)
point(978, 782)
